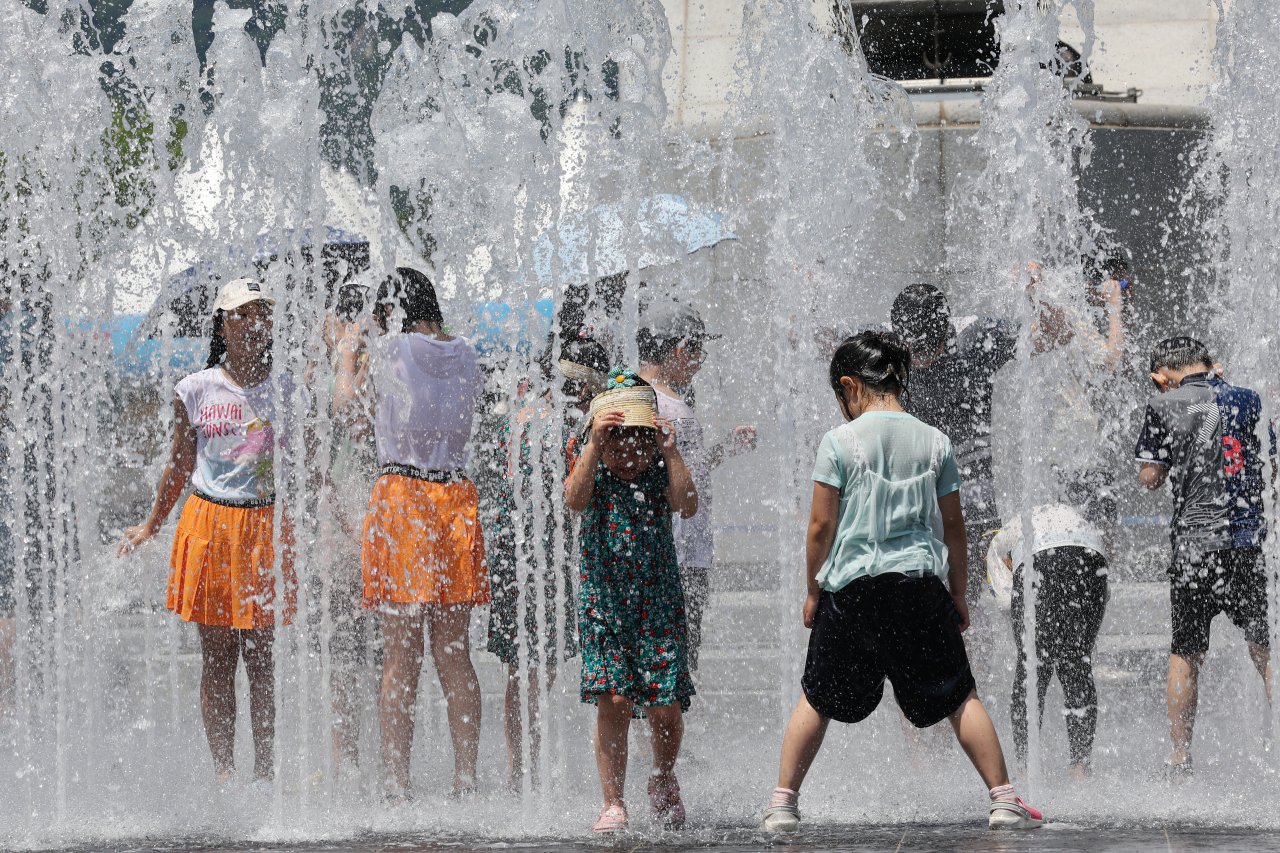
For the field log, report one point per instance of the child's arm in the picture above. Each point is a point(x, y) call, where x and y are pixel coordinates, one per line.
point(824, 518)
point(957, 543)
point(682, 494)
point(581, 484)
point(1152, 475)
point(351, 385)
point(173, 482)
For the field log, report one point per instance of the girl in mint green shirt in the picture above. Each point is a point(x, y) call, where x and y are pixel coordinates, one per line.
point(885, 529)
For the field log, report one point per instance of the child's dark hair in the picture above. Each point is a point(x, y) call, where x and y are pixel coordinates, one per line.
point(414, 293)
point(880, 360)
point(653, 349)
point(217, 343)
point(588, 353)
point(922, 317)
point(350, 302)
point(1177, 353)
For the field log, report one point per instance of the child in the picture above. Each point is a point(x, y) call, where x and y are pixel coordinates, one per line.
point(423, 551)
point(627, 482)
point(670, 342)
point(1071, 599)
point(1203, 432)
point(585, 366)
point(353, 470)
point(886, 519)
point(222, 574)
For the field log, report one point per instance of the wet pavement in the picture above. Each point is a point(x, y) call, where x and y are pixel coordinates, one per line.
point(972, 838)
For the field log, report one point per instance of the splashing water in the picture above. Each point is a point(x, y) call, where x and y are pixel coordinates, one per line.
point(525, 156)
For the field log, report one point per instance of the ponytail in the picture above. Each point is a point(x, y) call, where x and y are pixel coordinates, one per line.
point(217, 344)
point(879, 360)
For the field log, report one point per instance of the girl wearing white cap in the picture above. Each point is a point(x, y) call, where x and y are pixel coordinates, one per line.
point(222, 568)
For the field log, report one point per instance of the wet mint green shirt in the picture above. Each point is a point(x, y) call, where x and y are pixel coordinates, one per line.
point(890, 469)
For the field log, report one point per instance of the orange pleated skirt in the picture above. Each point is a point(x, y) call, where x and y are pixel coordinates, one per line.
point(422, 543)
point(222, 570)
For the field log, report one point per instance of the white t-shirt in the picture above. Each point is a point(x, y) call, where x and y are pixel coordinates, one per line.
point(235, 432)
point(426, 391)
point(1053, 526)
point(695, 541)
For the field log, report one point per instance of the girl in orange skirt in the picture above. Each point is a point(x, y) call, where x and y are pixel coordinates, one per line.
point(423, 552)
point(222, 569)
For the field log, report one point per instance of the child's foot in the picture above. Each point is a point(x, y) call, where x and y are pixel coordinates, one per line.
point(1014, 815)
point(1180, 772)
point(1079, 773)
point(781, 819)
point(612, 820)
point(664, 799)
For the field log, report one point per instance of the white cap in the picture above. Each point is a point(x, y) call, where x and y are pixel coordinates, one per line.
point(242, 291)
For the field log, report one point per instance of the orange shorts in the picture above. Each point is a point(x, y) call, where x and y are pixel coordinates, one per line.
point(422, 543)
point(222, 570)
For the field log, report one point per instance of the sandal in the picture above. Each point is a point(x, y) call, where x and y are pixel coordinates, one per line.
point(1015, 815)
point(612, 820)
point(664, 799)
point(780, 819)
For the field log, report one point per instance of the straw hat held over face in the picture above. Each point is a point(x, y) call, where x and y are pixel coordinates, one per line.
point(637, 402)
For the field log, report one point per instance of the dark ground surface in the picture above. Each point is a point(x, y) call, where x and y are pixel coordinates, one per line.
point(1060, 838)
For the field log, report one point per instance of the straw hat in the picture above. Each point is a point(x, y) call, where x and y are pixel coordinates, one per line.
point(638, 403)
point(595, 380)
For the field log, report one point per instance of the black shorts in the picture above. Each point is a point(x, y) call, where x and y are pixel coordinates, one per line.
point(887, 626)
point(1233, 582)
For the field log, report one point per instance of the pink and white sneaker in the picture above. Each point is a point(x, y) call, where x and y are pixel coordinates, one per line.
point(1017, 815)
point(664, 799)
point(612, 820)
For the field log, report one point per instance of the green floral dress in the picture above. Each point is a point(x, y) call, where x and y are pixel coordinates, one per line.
point(631, 621)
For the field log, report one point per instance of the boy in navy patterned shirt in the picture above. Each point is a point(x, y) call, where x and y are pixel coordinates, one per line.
point(1201, 433)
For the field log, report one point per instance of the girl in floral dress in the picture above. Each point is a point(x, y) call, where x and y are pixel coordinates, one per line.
point(631, 622)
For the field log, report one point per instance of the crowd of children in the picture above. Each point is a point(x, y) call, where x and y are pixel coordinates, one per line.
point(616, 519)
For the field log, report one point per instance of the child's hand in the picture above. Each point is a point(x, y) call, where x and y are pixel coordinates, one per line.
point(962, 611)
point(603, 422)
point(810, 608)
point(133, 537)
point(666, 435)
point(742, 438)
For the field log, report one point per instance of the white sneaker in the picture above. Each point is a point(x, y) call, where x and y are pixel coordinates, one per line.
point(1014, 816)
point(780, 819)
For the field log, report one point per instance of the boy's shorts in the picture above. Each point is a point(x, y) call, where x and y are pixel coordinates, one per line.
point(1232, 581)
point(888, 626)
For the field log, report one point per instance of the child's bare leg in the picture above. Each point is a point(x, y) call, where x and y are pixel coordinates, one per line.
point(800, 745)
point(1183, 697)
point(219, 653)
point(262, 698)
point(978, 739)
point(8, 663)
point(343, 684)
point(511, 723)
point(401, 668)
point(450, 647)
point(667, 723)
point(613, 720)
point(1261, 657)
